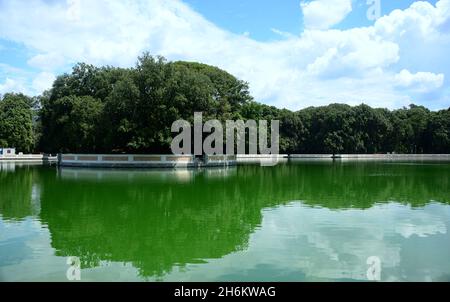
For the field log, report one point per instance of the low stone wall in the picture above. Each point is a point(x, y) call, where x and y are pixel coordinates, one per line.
point(243, 159)
point(188, 161)
point(260, 156)
point(220, 160)
point(444, 157)
point(126, 160)
point(313, 156)
point(280, 158)
point(143, 161)
point(35, 158)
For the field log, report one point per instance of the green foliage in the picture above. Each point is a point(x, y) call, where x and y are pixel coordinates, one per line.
point(131, 110)
point(292, 131)
point(16, 122)
point(106, 109)
point(341, 128)
point(333, 142)
point(76, 123)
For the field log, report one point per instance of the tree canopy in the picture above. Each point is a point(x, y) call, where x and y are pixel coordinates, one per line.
point(115, 110)
point(16, 122)
point(131, 110)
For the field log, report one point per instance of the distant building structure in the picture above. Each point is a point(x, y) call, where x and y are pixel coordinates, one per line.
point(7, 151)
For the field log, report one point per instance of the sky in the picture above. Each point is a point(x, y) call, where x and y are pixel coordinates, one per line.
point(293, 53)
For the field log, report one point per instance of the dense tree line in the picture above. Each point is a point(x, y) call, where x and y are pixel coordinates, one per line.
point(340, 128)
point(107, 109)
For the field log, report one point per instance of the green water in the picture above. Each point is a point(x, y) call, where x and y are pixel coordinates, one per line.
point(304, 221)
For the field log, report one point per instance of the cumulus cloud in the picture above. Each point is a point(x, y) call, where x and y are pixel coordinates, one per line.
point(48, 61)
point(11, 85)
point(421, 81)
point(317, 67)
point(323, 14)
point(22, 81)
point(43, 81)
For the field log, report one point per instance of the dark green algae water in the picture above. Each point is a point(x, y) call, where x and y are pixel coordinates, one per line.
point(298, 221)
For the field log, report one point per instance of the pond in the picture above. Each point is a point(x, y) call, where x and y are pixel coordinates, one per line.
point(297, 221)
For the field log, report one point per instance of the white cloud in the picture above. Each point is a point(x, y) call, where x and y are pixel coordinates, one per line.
point(318, 67)
point(11, 85)
point(323, 14)
point(420, 81)
point(283, 34)
point(48, 61)
point(350, 52)
point(43, 81)
point(21, 81)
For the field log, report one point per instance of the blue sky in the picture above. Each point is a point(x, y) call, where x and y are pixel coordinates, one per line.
point(258, 17)
point(294, 54)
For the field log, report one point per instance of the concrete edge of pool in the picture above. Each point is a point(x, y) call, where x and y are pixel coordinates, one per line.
point(192, 161)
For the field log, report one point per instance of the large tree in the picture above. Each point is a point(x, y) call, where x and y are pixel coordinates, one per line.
point(16, 122)
point(107, 109)
point(131, 110)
